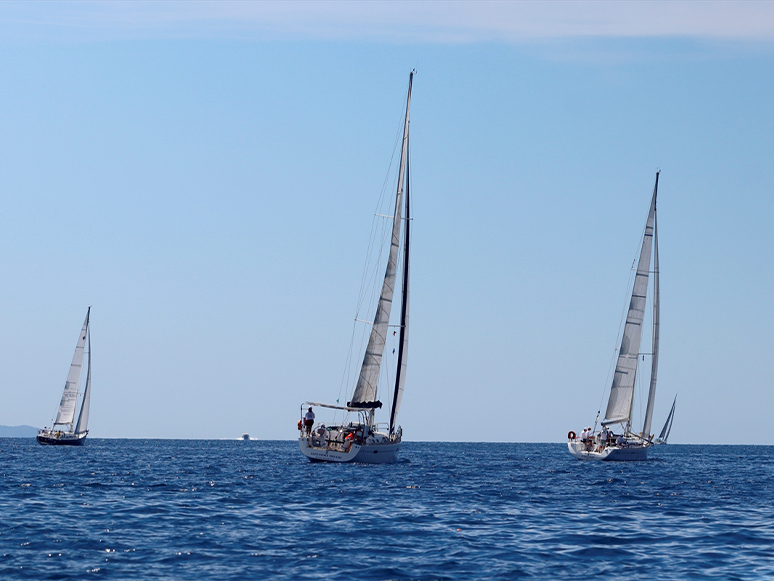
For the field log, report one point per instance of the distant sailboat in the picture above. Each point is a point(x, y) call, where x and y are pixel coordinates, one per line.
point(65, 431)
point(664, 435)
point(627, 445)
point(361, 440)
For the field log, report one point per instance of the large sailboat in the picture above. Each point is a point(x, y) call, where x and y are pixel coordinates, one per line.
point(357, 437)
point(667, 429)
point(65, 429)
point(606, 444)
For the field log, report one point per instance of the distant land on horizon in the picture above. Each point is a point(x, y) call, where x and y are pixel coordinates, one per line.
point(18, 432)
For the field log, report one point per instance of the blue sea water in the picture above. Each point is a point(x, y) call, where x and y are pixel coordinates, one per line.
point(203, 509)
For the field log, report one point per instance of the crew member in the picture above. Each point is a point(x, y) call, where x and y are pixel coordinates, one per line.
point(309, 421)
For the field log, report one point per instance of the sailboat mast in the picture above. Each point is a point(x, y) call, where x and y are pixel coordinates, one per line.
point(400, 376)
point(656, 324)
point(367, 383)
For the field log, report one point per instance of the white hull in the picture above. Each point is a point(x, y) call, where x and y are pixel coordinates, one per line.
point(366, 453)
point(634, 453)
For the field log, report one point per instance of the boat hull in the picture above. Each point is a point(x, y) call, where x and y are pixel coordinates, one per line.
point(610, 453)
point(365, 453)
point(61, 439)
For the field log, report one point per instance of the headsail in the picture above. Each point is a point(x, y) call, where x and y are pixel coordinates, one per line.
point(656, 327)
point(83, 418)
point(367, 384)
point(619, 406)
point(66, 413)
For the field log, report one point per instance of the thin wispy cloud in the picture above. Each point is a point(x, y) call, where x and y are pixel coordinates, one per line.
point(444, 22)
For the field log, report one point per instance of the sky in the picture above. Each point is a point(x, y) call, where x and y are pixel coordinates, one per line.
point(204, 175)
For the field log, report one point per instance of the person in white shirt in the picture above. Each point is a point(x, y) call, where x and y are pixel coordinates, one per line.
point(309, 421)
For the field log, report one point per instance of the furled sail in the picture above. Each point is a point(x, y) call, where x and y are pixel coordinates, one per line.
point(367, 383)
point(400, 378)
point(66, 412)
point(83, 418)
point(656, 327)
point(619, 406)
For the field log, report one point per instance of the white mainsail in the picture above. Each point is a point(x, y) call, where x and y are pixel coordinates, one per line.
point(619, 406)
point(656, 326)
point(83, 418)
point(66, 413)
point(367, 383)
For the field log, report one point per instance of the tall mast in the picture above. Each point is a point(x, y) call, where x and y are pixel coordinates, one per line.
point(367, 384)
point(656, 326)
point(400, 376)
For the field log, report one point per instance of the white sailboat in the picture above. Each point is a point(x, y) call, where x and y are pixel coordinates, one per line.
point(358, 438)
point(65, 430)
point(666, 430)
point(627, 445)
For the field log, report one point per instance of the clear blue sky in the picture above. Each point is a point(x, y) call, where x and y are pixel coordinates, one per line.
point(205, 175)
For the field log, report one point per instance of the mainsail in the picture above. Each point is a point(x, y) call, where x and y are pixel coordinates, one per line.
point(66, 413)
point(83, 417)
point(400, 379)
point(367, 384)
point(619, 406)
point(656, 327)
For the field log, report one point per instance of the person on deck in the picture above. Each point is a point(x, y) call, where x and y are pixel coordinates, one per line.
point(309, 421)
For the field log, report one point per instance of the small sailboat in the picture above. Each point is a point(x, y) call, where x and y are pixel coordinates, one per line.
point(664, 435)
point(627, 445)
point(357, 437)
point(65, 429)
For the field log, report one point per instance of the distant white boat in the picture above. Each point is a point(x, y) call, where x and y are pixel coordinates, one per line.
point(64, 430)
point(667, 429)
point(361, 439)
point(627, 445)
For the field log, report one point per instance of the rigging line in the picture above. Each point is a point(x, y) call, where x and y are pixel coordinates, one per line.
point(626, 302)
point(379, 204)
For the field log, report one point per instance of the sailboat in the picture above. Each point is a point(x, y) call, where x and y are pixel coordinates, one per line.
point(361, 439)
point(664, 435)
point(627, 445)
point(65, 429)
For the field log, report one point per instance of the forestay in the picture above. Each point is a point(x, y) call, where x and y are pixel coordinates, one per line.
point(619, 406)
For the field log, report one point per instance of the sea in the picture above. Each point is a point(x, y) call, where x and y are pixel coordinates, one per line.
point(217, 509)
